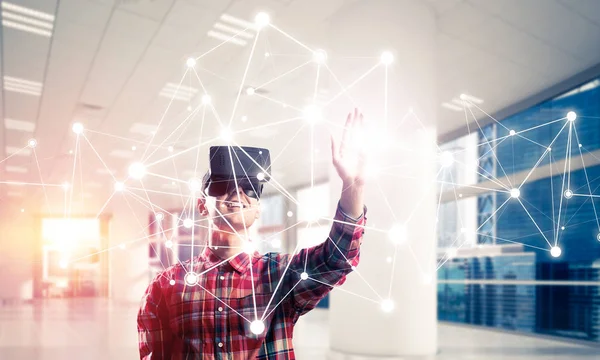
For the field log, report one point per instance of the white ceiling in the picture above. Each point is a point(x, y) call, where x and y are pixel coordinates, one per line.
point(107, 61)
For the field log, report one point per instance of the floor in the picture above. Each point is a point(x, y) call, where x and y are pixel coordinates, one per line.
point(63, 329)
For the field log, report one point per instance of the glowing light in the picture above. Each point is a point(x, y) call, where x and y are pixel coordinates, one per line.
point(119, 186)
point(515, 193)
point(276, 243)
point(194, 185)
point(168, 244)
point(206, 99)
point(451, 253)
point(512, 132)
point(262, 19)
point(63, 264)
point(568, 194)
point(290, 214)
point(133, 148)
point(244, 118)
point(387, 305)
point(571, 116)
point(555, 251)
point(22, 210)
point(427, 279)
point(319, 56)
point(137, 170)
point(387, 58)
point(66, 186)
point(189, 108)
point(191, 278)
point(190, 62)
point(170, 149)
point(463, 97)
point(122, 246)
point(267, 54)
point(598, 237)
point(226, 135)
point(250, 91)
point(549, 149)
point(304, 276)
point(187, 223)
point(77, 128)
point(257, 327)
point(32, 143)
point(580, 145)
point(398, 233)
point(71, 152)
point(248, 247)
point(171, 282)
point(463, 230)
point(562, 227)
point(388, 259)
point(159, 216)
point(447, 159)
point(312, 114)
point(260, 176)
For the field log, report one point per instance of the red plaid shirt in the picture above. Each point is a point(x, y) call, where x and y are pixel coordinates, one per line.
point(211, 320)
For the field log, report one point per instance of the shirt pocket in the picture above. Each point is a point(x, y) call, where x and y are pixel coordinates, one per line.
point(246, 309)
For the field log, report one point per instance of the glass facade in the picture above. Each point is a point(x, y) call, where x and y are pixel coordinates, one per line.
point(507, 278)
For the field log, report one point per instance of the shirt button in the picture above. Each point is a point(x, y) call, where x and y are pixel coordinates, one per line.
point(220, 308)
point(220, 344)
point(222, 277)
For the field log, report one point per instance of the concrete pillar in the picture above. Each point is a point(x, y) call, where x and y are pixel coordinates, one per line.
point(403, 191)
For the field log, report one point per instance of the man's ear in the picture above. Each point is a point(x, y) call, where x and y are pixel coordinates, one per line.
point(202, 206)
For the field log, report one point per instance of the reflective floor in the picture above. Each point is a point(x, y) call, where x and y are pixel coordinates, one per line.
point(96, 329)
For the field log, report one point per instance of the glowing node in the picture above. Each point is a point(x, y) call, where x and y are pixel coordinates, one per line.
point(248, 247)
point(71, 152)
point(262, 19)
point(77, 128)
point(410, 110)
point(571, 116)
point(66, 186)
point(304, 276)
point(549, 149)
point(580, 145)
point(32, 143)
point(463, 230)
point(555, 251)
point(194, 185)
point(189, 108)
point(388, 259)
point(515, 193)
point(190, 62)
point(119, 186)
point(133, 148)
point(562, 227)
point(244, 118)
point(598, 237)
point(257, 327)
point(568, 194)
point(463, 97)
point(260, 176)
point(387, 305)
point(137, 170)
point(276, 243)
point(447, 159)
point(427, 279)
point(250, 91)
point(451, 253)
point(187, 223)
point(460, 195)
point(22, 210)
point(397, 233)
point(168, 244)
point(226, 135)
point(512, 132)
point(191, 278)
point(122, 246)
point(312, 114)
point(170, 149)
point(206, 99)
point(387, 58)
point(171, 282)
point(319, 56)
point(290, 214)
point(159, 216)
point(267, 54)
point(63, 264)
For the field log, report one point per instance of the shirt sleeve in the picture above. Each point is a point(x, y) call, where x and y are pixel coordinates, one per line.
point(154, 334)
point(326, 264)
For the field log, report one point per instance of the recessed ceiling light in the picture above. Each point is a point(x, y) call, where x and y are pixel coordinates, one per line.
point(178, 92)
point(27, 11)
point(233, 30)
point(452, 107)
point(26, 19)
point(237, 21)
point(16, 169)
point(224, 37)
point(141, 128)
point(19, 125)
point(123, 154)
point(22, 86)
point(471, 98)
point(462, 103)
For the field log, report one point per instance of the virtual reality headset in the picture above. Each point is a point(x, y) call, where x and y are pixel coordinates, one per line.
point(248, 167)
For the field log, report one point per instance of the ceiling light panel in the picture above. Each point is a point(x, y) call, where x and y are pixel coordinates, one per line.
point(19, 125)
point(460, 103)
point(178, 92)
point(232, 30)
point(22, 86)
point(26, 19)
point(16, 169)
point(452, 107)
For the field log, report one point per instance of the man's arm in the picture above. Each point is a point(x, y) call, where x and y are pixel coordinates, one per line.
point(154, 333)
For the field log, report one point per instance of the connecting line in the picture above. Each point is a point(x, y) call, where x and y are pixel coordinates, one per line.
point(562, 191)
point(278, 102)
point(104, 206)
point(73, 175)
point(165, 113)
point(511, 241)
point(534, 223)
point(237, 99)
point(291, 37)
point(422, 197)
point(490, 116)
point(538, 126)
point(15, 153)
point(568, 154)
point(351, 85)
point(587, 179)
point(183, 152)
point(99, 157)
point(280, 301)
point(385, 102)
point(471, 186)
point(552, 197)
point(282, 75)
point(28, 183)
point(542, 157)
point(224, 303)
point(340, 84)
point(344, 290)
point(424, 128)
point(41, 178)
point(386, 200)
point(492, 214)
point(273, 160)
point(267, 125)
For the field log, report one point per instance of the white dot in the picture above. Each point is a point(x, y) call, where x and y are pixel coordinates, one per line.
point(168, 244)
point(250, 91)
point(549, 149)
point(206, 99)
point(515, 193)
point(260, 176)
point(189, 108)
point(427, 279)
point(32, 143)
point(312, 114)
point(248, 247)
point(397, 233)
point(460, 195)
point(133, 148)
point(260, 152)
point(71, 152)
point(319, 56)
point(244, 118)
point(447, 159)
point(276, 243)
point(387, 58)
point(137, 170)
point(512, 132)
point(122, 246)
point(598, 237)
point(257, 327)
point(77, 128)
point(568, 194)
point(170, 148)
point(66, 186)
point(262, 19)
point(387, 305)
point(63, 264)
point(226, 135)
point(304, 276)
point(191, 278)
point(353, 267)
point(119, 186)
point(580, 145)
point(171, 282)
point(267, 54)
point(190, 62)
point(159, 216)
point(555, 251)
point(290, 214)
point(22, 210)
point(571, 116)
point(194, 185)
point(463, 97)
point(187, 223)
point(562, 227)
point(388, 259)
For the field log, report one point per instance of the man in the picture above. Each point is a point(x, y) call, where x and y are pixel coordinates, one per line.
point(227, 304)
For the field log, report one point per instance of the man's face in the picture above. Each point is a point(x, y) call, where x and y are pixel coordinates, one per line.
point(234, 209)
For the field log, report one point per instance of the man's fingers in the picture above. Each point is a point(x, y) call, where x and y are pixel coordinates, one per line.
point(347, 128)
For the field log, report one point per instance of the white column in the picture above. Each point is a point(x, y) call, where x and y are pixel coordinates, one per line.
point(404, 194)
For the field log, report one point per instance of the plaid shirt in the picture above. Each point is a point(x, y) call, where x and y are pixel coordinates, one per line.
point(211, 320)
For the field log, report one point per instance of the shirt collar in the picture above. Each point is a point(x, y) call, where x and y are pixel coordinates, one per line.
point(239, 262)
